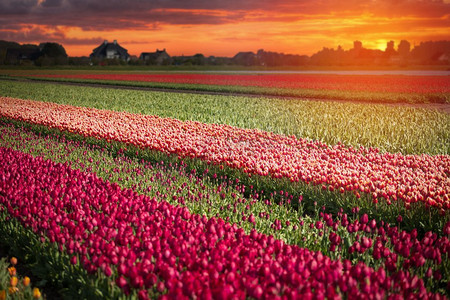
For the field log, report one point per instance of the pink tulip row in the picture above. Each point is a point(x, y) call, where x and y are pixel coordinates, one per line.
point(411, 178)
point(154, 245)
point(408, 178)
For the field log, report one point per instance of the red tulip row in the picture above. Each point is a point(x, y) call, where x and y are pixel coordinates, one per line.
point(394, 177)
point(392, 84)
point(158, 247)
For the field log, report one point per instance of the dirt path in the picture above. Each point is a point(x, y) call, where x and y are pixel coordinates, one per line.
point(441, 107)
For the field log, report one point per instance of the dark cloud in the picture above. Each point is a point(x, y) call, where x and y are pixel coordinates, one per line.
point(17, 7)
point(51, 3)
point(119, 14)
point(37, 34)
point(33, 34)
point(144, 42)
point(78, 41)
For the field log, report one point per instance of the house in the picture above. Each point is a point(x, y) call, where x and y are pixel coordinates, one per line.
point(245, 59)
point(21, 55)
point(110, 51)
point(155, 58)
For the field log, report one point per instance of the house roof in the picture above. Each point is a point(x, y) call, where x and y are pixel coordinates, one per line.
point(105, 47)
point(154, 55)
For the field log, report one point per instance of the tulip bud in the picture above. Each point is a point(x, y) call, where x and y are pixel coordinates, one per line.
point(258, 292)
point(319, 225)
point(36, 293)
point(143, 295)
point(121, 282)
point(366, 242)
point(14, 281)
point(13, 261)
point(26, 281)
point(108, 271)
point(364, 219)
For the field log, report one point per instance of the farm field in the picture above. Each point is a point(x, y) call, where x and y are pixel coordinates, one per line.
point(360, 88)
point(109, 193)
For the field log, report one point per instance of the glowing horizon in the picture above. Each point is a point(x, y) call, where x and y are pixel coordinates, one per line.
point(223, 28)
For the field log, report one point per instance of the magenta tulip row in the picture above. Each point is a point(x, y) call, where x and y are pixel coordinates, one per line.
point(389, 244)
point(154, 245)
point(392, 177)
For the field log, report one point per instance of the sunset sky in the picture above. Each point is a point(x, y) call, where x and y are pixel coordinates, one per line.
point(223, 27)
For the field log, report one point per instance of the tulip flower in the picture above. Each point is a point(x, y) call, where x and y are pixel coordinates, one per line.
point(26, 281)
point(13, 281)
point(36, 293)
point(13, 261)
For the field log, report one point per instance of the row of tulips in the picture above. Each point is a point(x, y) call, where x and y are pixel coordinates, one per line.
point(392, 177)
point(344, 236)
point(391, 84)
point(154, 247)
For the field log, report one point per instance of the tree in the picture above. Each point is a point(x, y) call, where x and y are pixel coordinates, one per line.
point(389, 49)
point(403, 48)
point(53, 50)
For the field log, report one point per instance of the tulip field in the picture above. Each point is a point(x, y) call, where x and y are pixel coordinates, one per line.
point(389, 128)
point(119, 194)
point(361, 88)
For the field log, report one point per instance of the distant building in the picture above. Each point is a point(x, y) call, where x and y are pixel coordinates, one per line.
point(21, 55)
point(245, 59)
point(155, 58)
point(110, 51)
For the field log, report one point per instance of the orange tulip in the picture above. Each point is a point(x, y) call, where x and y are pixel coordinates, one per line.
point(13, 261)
point(36, 293)
point(26, 281)
point(3, 295)
point(12, 271)
point(14, 281)
point(12, 290)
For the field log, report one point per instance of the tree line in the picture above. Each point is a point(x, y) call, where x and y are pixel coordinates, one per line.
point(426, 53)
